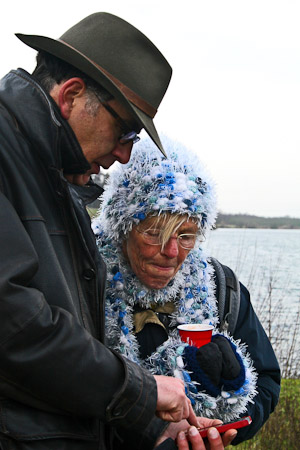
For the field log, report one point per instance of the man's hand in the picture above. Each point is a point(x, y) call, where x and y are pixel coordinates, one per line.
point(172, 403)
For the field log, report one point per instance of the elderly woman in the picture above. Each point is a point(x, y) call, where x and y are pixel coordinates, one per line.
point(154, 216)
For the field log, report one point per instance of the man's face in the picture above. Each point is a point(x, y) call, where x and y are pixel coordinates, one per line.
point(98, 134)
point(153, 265)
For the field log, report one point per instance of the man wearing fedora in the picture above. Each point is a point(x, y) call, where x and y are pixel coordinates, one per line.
point(91, 93)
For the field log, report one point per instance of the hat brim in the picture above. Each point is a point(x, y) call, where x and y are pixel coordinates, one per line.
point(81, 62)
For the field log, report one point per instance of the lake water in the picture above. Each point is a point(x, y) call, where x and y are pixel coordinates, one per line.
point(257, 256)
point(268, 263)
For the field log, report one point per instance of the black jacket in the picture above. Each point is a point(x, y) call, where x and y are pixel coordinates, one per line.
point(59, 384)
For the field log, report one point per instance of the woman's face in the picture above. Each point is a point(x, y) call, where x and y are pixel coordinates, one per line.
point(155, 266)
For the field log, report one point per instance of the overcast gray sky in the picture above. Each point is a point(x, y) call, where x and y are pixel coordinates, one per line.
point(234, 97)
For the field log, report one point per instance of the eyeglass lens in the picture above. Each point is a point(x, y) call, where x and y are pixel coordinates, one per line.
point(153, 237)
point(128, 134)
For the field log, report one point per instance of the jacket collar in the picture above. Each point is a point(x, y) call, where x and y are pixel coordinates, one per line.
point(40, 120)
point(88, 193)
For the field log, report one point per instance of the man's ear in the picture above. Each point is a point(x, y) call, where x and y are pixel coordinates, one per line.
point(67, 93)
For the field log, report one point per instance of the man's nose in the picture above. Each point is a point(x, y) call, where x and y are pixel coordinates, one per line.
point(122, 152)
point(171, 248)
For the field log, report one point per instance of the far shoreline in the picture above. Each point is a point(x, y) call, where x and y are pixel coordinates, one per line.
point(250, 221)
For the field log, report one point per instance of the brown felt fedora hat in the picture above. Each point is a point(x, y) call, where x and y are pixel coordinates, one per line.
point(118, 57)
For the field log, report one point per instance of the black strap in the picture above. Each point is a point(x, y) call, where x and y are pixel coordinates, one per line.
point(228, 296)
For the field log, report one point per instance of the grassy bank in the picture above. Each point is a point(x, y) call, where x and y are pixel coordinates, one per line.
point(282, 430)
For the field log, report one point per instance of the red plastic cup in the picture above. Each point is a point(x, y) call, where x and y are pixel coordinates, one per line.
point(197, 334)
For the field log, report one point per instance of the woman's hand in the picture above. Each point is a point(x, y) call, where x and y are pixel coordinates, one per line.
point(215, 366)
point(214, 440)
point(184, 433)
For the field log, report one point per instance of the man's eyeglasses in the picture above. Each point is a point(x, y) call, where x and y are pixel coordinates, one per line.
point(153, 237)
point(128, 134)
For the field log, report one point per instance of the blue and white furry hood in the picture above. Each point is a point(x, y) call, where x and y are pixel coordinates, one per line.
point(150, 183)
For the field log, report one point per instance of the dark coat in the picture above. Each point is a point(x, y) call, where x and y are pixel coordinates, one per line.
point(60, 387)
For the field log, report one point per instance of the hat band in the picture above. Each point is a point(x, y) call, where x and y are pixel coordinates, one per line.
point(128, 93)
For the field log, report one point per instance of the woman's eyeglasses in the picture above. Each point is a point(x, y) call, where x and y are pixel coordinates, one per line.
point(153, 237)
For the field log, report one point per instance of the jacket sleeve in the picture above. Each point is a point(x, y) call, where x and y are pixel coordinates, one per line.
point(250, 331)
point(144, 438)
point(47, 359)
